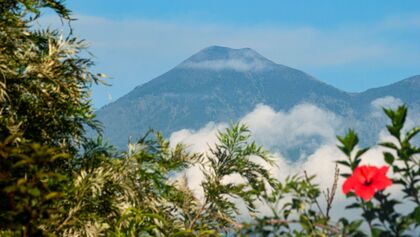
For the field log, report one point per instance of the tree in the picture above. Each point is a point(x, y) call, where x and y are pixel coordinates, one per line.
point(44, 79)
point(56, 182)
point(44, 111)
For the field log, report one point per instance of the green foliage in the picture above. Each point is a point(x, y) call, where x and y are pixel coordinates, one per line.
point(234, 155)
point(131, 192)
point(30, 186)
point(44, 80)
point(301, 195)
point(56, 182)
point(295, 211)
point(382, 213)
point(348, 145)
point(406, 153)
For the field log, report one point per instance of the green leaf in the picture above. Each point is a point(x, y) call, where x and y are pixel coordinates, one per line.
point(343, 162)
point(52, 195)
point(353, 205)
point(413, 132)
point(34, 192)
point(376, 232)
point(389, 158)
point(349, 141)
point(389, 145)
point(355, 225)
point(361, 152)
point(416, 215)
point(345, 175)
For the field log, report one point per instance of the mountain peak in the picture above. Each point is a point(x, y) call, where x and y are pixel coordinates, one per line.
point(224, 58)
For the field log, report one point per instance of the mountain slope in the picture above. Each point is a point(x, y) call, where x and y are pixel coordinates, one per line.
point(216, 84)
point(407, 90)
point(221, 84)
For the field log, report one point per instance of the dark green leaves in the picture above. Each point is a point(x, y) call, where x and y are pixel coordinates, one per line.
point(389, 158)
point(347, 146)
point(397, 117)
point(348, 142)
point(31, 185)
point(381, 213)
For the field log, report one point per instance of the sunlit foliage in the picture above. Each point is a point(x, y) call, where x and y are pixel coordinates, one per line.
point(54, 181)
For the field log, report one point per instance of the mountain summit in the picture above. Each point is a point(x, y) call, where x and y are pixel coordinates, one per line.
point(220, 84)
point(223, 58)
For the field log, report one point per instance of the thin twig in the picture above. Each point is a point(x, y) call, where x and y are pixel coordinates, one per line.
point(330, 195)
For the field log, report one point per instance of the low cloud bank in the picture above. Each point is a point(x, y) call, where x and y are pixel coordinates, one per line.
point(305, 127)
point(278, 130)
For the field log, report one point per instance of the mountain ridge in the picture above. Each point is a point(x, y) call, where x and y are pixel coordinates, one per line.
point(220, 84)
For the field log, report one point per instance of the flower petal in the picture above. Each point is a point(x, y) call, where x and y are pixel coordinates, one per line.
point(383, 170)
point(358, 174)
point(366, 180)
point(368, 172)
point(365, 192)
point(381, 181)
point(349, 184)
point(381, 184)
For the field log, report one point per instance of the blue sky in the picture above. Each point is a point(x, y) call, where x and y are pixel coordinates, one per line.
point(352, 45)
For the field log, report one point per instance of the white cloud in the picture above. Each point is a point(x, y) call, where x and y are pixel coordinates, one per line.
point(290, 129)
point(137, 50)
point(294, 45)
point(197, 141)
point(297, 46)
point(284, 130)
point(401, 22)
point(386, 102)
point(390, 102)
point(232, 64)
point(200, 140)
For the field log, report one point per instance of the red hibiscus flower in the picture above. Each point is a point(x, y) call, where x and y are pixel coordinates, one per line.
point(366, 180)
